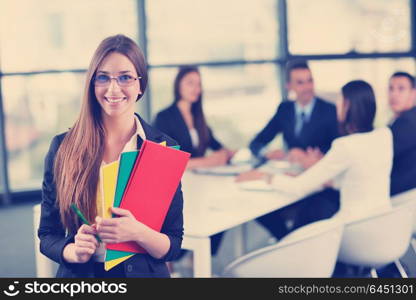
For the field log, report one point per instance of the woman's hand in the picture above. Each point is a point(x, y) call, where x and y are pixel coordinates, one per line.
point(253, 175)
point(276, 154)
point(218, 158)
point(84, 246)
point(313, 155)
point(296, 155)
point(230, 153)
point(122, 229)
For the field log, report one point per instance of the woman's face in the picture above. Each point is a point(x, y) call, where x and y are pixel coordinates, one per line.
point(116, 97)
point(190, 87)
point(342, 108)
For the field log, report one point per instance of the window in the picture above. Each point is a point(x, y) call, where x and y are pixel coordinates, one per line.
point(238, 100)
point(240, 97)
point(36, 109)
point(362, 26)
point(183, 31)
point(57, 36)
point(40, 38)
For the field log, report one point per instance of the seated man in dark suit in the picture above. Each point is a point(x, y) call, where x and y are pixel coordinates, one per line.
point(306, 123)
point(402, 96)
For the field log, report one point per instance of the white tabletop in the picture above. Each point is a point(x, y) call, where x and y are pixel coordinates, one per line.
point(215, 203)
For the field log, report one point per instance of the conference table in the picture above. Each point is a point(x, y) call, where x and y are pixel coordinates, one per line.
point(213, 204)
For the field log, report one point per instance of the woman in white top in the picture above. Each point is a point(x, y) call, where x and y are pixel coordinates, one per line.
point(360, 161)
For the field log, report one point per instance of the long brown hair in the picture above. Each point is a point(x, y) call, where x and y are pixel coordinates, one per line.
point(196, 109)
point(79, 157)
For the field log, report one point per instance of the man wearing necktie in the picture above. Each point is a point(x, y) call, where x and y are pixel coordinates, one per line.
point(308, 124)
point(300, 122)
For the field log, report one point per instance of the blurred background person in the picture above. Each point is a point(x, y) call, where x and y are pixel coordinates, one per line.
point(184, 120)
point(361, 159)
point(307, 122)
point(402, 96)
point(309, 125)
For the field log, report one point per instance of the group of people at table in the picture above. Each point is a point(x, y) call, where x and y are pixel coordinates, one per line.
point(351, 169)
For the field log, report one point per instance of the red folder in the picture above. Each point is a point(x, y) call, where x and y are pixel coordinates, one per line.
point(151, 187)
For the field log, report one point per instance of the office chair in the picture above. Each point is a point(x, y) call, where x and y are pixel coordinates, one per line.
point(379, 240)
point(309, 251)
point(45, 267)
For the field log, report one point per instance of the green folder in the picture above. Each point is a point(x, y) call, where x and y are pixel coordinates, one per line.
point(114, 254)
point(127, 161)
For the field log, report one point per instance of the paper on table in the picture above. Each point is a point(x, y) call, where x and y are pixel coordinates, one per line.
point(255, 185)
point(227, 170)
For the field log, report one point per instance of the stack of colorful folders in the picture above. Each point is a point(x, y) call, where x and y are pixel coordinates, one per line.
point(143, 182)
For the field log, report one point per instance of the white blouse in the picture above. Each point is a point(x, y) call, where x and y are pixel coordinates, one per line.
point(363, 162)
point(194, 137)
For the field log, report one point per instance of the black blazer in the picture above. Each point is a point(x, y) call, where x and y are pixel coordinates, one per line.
point(403, 174)
point(170, 120)
point(53, 238)
point(320, 131)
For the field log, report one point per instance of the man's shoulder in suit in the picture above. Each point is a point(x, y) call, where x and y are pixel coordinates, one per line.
point(325, 104)
point(286, 105)
point(409, 115)
point(406, 121)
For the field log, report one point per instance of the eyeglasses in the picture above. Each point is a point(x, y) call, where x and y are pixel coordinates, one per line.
point(122, 80)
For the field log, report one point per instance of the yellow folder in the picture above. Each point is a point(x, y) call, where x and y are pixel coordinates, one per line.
point(114, 262)
point(109, 180)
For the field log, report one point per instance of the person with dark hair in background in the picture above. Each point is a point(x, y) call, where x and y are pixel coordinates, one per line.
point(402, 96)
point(361, 160)
point(184, 121)
point(299, 121)
point(309, 125)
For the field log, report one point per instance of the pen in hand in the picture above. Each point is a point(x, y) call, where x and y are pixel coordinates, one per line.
point(84, 220)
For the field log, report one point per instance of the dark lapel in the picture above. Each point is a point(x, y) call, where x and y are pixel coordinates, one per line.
point(151, 134)
point(182, 128)
point(291, 120)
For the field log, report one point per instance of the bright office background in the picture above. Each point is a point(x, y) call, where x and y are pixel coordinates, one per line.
point(240, 46)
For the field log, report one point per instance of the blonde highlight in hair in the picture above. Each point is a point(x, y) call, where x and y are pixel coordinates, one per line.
point(79, 157)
